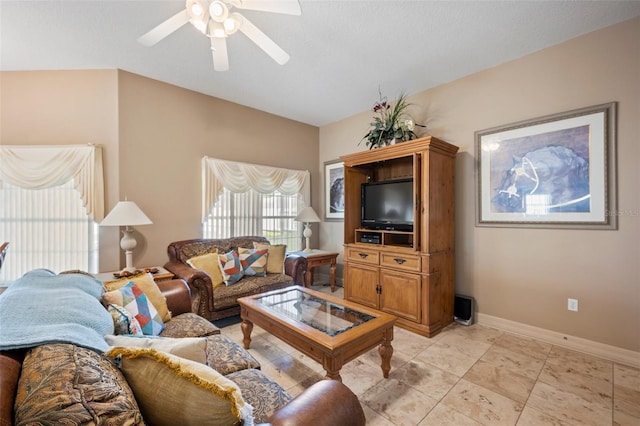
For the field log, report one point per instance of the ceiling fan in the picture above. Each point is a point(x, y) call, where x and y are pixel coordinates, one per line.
point(215, 19)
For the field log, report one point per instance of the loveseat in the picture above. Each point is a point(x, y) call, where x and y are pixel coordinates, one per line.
point(85, 387)
point(216, 302)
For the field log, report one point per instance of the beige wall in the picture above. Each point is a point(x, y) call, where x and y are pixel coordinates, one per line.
point(63, 108)
point(154, 136)
point(526, 275)
point(164, 133)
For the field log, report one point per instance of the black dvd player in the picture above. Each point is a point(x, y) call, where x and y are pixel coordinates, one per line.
point(371, 238)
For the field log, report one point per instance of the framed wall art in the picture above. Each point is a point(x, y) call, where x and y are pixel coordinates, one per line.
point(557, 171)
point(333, 191)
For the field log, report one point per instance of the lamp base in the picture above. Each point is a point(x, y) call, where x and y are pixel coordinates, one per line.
point(128, 243)
point(129, 262)
point(307, 236)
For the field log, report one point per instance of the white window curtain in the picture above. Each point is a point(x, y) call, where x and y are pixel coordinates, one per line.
point(39, 167)
point(248, 199)
point(240, 177)
point(51, 198)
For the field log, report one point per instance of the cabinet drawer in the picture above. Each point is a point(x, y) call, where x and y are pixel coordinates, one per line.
point(401, 261)
point(363, 255)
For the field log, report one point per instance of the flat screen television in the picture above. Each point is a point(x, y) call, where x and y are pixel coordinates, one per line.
point(388, 205)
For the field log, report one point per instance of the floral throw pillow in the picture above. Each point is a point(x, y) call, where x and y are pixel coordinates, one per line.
point(123, 321)
point(230, 266)
point(253, 261)
point(133, 299)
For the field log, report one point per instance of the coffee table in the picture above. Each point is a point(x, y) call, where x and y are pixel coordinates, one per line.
point(327, 329)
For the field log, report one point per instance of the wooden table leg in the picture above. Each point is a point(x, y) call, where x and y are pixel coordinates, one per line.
point(247, 327)
point(333, 375)
point(332, 366)
point(386, 350)
point(308, 277)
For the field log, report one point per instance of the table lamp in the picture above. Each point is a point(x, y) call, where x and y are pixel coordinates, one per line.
point(308, 216)
point(127, 214)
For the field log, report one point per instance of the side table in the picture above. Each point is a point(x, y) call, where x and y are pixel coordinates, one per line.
point(162, 274)
point(317, 258)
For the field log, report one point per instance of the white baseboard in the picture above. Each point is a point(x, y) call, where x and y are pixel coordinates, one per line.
point(612, 353)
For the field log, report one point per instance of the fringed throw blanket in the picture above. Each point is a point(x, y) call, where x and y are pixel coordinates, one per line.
point(42, 307)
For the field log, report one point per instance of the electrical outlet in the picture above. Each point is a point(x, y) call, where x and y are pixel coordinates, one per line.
point(572, 305)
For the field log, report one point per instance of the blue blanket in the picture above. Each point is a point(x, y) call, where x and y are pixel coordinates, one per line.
point(42, 307)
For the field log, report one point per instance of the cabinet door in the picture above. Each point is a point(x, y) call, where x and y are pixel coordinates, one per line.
point(360, 284)
point(401, 294)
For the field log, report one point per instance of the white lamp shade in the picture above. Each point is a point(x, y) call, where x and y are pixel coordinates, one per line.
point(126, 213)
point(307, 215)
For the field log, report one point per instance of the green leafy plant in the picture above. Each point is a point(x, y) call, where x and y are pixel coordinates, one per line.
point(391, 124)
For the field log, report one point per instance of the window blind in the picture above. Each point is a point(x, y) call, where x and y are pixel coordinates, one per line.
point(47, 228)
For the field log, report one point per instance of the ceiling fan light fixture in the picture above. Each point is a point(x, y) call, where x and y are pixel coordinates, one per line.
point(232, 23)
point(219, 11)
point(217, 30)
point(198, 11)
point(213, 19)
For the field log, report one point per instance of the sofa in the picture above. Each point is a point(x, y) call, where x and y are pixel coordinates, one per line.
point(216, 302)
point(86, 387)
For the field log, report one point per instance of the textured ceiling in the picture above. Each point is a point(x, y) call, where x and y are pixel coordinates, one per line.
point(341, 51)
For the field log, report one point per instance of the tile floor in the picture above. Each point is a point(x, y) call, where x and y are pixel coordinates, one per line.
point(468, 376)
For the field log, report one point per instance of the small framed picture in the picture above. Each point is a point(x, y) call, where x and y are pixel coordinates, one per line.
point(557, 171)
point(333, 191)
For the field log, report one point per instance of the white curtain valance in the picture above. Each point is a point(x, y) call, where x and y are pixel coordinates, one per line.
point(39, 167)
point(241, 177)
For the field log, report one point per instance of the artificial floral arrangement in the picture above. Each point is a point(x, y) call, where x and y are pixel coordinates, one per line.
point(392, 124)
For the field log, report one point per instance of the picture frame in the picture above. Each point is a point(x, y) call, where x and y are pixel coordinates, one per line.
point(334, 191)
point(556, 171)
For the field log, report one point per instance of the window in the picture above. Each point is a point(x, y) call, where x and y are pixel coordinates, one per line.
point(50, 200)
point(46, 228)
point(241, 199)
point(250, 213)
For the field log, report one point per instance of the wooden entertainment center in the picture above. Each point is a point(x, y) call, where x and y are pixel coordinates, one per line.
point(409, 274)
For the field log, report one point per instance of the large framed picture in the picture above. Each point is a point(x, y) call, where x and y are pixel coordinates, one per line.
point(333, 191)
point(557, 171)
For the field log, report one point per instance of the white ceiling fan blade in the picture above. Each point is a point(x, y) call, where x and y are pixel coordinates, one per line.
point(290, 7)
point(264, 42)
point(219, 51)
point(164, 29)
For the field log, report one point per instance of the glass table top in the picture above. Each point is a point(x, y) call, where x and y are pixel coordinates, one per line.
point(328, 317)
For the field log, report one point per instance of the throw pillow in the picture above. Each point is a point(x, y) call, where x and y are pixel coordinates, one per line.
point(123, 321)
point(193, 348)
point(208, 263)
point(133, 299)
point(65, 384)
point(230, 267)
point(275, 261)
point(171, 390)
point(148, 285)
point(253, 261)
